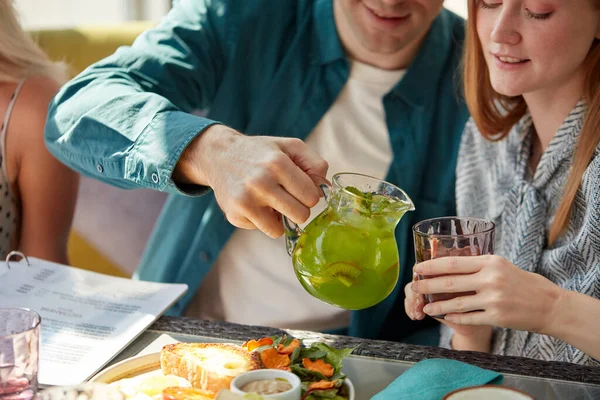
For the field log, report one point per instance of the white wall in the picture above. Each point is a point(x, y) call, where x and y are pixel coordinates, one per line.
point(36, 14)
point(39, 14)
point(458, 6)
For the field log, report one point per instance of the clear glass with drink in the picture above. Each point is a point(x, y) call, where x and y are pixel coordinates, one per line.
point(451, 236)
point(19, 353)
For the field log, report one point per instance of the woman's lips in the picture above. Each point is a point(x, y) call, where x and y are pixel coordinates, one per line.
point(509, 63)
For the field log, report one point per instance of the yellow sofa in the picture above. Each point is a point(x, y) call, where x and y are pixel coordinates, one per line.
point(80, 47)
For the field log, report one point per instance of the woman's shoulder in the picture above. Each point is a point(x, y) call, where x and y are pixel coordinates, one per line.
point(31, 105)
point(476, 146)
point(36, 94)
point(25, 133)
point(590, 181)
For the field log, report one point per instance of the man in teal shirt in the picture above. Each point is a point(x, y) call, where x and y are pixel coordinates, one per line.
point(276, 68)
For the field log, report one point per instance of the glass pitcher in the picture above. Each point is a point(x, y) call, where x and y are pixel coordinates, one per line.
point(347, 256)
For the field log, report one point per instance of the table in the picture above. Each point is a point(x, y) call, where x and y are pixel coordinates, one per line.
point(376, 363)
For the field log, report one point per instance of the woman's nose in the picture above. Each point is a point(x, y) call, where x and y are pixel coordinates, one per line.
point(506, 29)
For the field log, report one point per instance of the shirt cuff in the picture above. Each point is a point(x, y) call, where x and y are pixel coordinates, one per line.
point(153, 158)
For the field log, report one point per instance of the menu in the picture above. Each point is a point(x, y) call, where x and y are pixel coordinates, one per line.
point(87, 317)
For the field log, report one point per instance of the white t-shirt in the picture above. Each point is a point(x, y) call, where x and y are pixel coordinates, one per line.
point(252, 281)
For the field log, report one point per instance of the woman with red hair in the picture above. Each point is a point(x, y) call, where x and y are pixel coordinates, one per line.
point(529, 161)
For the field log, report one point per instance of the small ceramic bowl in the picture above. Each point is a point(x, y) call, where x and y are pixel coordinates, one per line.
point(266, 375)
point(488, 392)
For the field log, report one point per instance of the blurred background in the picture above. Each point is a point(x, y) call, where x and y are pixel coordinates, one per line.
point(111, 225)
point(38, 14)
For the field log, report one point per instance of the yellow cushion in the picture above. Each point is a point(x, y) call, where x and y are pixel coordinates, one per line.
point(81, 46)
point(83, 255)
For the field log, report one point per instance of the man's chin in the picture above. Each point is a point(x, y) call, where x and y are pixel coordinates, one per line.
point(384, 47)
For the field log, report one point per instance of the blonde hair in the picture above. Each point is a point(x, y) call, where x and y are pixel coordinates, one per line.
point(20, 55)
point(495, 114)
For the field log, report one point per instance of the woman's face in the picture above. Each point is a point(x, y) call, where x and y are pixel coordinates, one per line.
point(536, 45)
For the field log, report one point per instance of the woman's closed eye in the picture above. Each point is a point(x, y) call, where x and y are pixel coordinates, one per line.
point(528, 13)
point(539, 16)
point(489, 4)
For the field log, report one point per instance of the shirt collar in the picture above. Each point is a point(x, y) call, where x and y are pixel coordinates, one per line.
point(560, 149)
point(328, 45)
point(423, 75)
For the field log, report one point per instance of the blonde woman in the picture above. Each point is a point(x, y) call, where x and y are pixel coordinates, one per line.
point(530, 161)
point(37, 193)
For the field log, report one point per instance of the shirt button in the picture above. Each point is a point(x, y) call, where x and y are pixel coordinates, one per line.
point(100, 168)
point(154, 177)
point(204, 256)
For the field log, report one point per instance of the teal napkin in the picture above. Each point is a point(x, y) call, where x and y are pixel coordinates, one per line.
point(436, 377)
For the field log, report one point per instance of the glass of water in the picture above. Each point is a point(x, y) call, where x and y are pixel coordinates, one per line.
point(19, 353)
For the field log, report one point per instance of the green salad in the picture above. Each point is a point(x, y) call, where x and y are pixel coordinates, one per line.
point(319, 366)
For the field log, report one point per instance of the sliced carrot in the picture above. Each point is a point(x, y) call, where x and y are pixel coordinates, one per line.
point(289, 349)
point(251, 345)
point(322, 385)
point(318, 366)
point(270, 358)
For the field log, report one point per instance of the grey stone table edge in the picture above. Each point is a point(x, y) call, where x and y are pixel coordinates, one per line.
point(385, 349)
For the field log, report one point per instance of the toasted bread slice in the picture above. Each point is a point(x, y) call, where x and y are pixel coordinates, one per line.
point(207, 366)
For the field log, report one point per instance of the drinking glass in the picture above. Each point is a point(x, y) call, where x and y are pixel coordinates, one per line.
point(451, 236)
point(19, 353)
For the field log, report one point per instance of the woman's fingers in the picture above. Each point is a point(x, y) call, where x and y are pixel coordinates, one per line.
point(451, 265)
point(460, 304)
point(413, 303)
point(419, 314)
point(447, 284)
point(470, 318)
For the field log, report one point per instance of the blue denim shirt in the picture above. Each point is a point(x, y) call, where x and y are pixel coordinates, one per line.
point(267, 67)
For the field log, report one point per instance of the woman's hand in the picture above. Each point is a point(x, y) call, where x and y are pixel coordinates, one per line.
point(413, 301)
point(466, 337)
point(506, 296)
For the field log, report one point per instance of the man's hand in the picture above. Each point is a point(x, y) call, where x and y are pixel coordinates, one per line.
point(255, 179)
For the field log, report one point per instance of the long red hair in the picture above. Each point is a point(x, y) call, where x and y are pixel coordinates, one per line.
point(495, 114)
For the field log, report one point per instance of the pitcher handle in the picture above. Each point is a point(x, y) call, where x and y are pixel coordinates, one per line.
point(291, 229)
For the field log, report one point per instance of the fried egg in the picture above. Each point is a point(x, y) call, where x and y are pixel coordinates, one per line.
point(148, 386)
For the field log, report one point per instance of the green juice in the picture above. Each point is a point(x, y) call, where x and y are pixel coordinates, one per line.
point(347, 256)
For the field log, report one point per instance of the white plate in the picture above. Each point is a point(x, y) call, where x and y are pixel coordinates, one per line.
point(136, 366)
point(488, 392)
